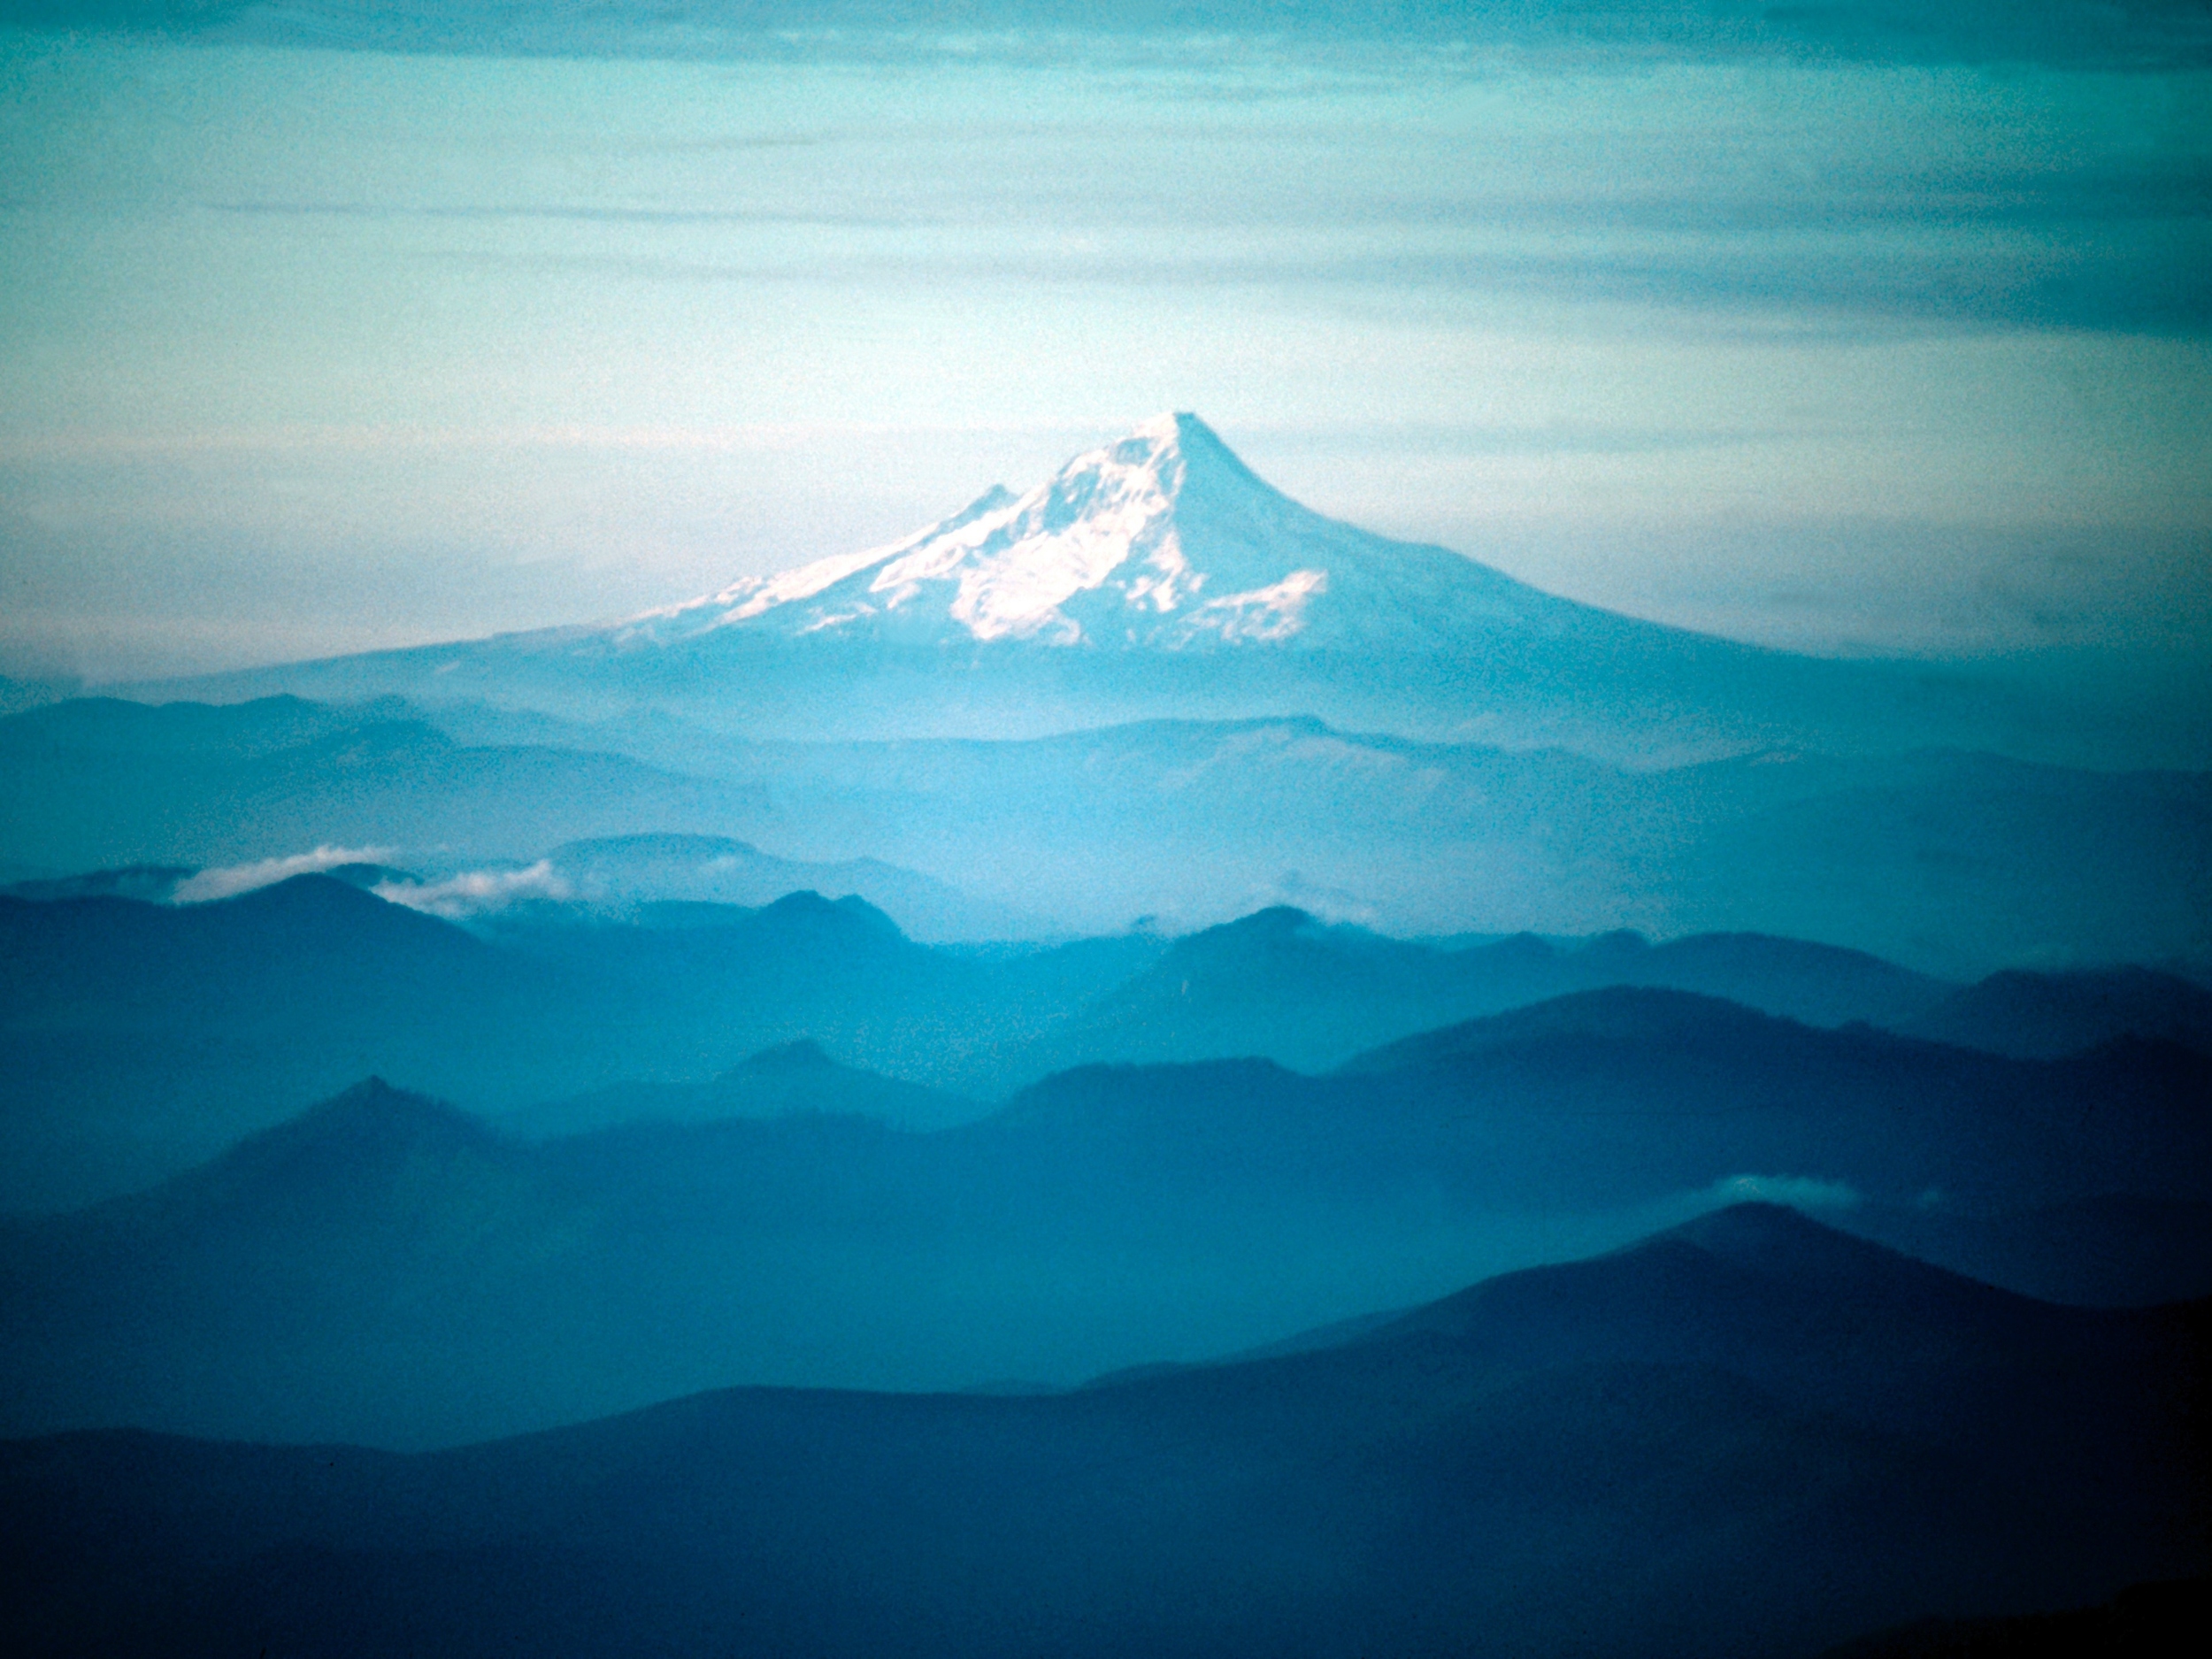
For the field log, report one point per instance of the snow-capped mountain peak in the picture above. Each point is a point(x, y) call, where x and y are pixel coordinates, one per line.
point(1162, 538)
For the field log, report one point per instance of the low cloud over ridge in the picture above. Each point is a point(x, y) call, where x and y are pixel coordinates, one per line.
point(227, 881)
point(478, 892)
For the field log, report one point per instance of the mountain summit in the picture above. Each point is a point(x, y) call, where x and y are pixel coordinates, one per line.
point(1162, 540)
point(1157, 577)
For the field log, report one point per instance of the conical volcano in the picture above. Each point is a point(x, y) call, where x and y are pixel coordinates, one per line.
point(1162, 540)
point(1157, 577)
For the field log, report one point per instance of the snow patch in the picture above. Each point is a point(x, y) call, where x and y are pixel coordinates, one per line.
point(1161, 539)
point(1273, 612)
point(748, 599)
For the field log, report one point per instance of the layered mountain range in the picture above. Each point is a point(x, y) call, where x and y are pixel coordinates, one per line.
point(1950, 863)
point(384, 1267)
point(1127, 923)
point(1153, 686)
point(137, 1037)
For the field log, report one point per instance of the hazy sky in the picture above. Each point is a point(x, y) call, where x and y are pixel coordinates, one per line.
point(1862, 341)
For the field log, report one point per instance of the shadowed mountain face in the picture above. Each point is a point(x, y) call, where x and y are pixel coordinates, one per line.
point(1281, 983)
point(1676, 1079)
point(790, 1077)
point(2156, 1621)
point(1747, 1437)
point(2112, 1251)
point(140, 1038)
point(2039, 1015)
point(385, 1268)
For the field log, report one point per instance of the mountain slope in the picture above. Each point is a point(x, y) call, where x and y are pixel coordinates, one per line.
point(1948, 862)
point(100, 782)
point(621, 873)
point(1164, 540)
point(1957, 865)
point(1658, 1085)
point(1157, 577)
point(2111, 1251)
point(137, 1038)
point(2041, 1015)
point(1545, 1461)
point(790, 1077)
point(1283, 985)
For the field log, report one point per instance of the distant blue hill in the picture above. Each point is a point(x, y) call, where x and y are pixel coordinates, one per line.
point(99, 783)
point(2041, 1015)
point(385, 1268)
point(1283, 984)
point(790, 1077)
point(137, 1038)
point(1949, 863)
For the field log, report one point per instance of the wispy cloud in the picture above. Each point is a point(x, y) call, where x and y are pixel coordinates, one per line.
point(478, 892)
point(908, 31)
point(229, 880)
point(578, 213)
point(1800, 1192)
point(754, 437)
point(1691, 228)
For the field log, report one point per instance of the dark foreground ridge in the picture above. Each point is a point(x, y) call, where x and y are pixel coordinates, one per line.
point(2145, 1621)
point(1746, 1436)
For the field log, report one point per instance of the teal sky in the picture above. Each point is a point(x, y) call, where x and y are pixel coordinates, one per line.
point(307, 348)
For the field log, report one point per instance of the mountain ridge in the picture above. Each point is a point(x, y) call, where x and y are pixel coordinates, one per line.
point(384, 1268)
point(1365, 1495)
